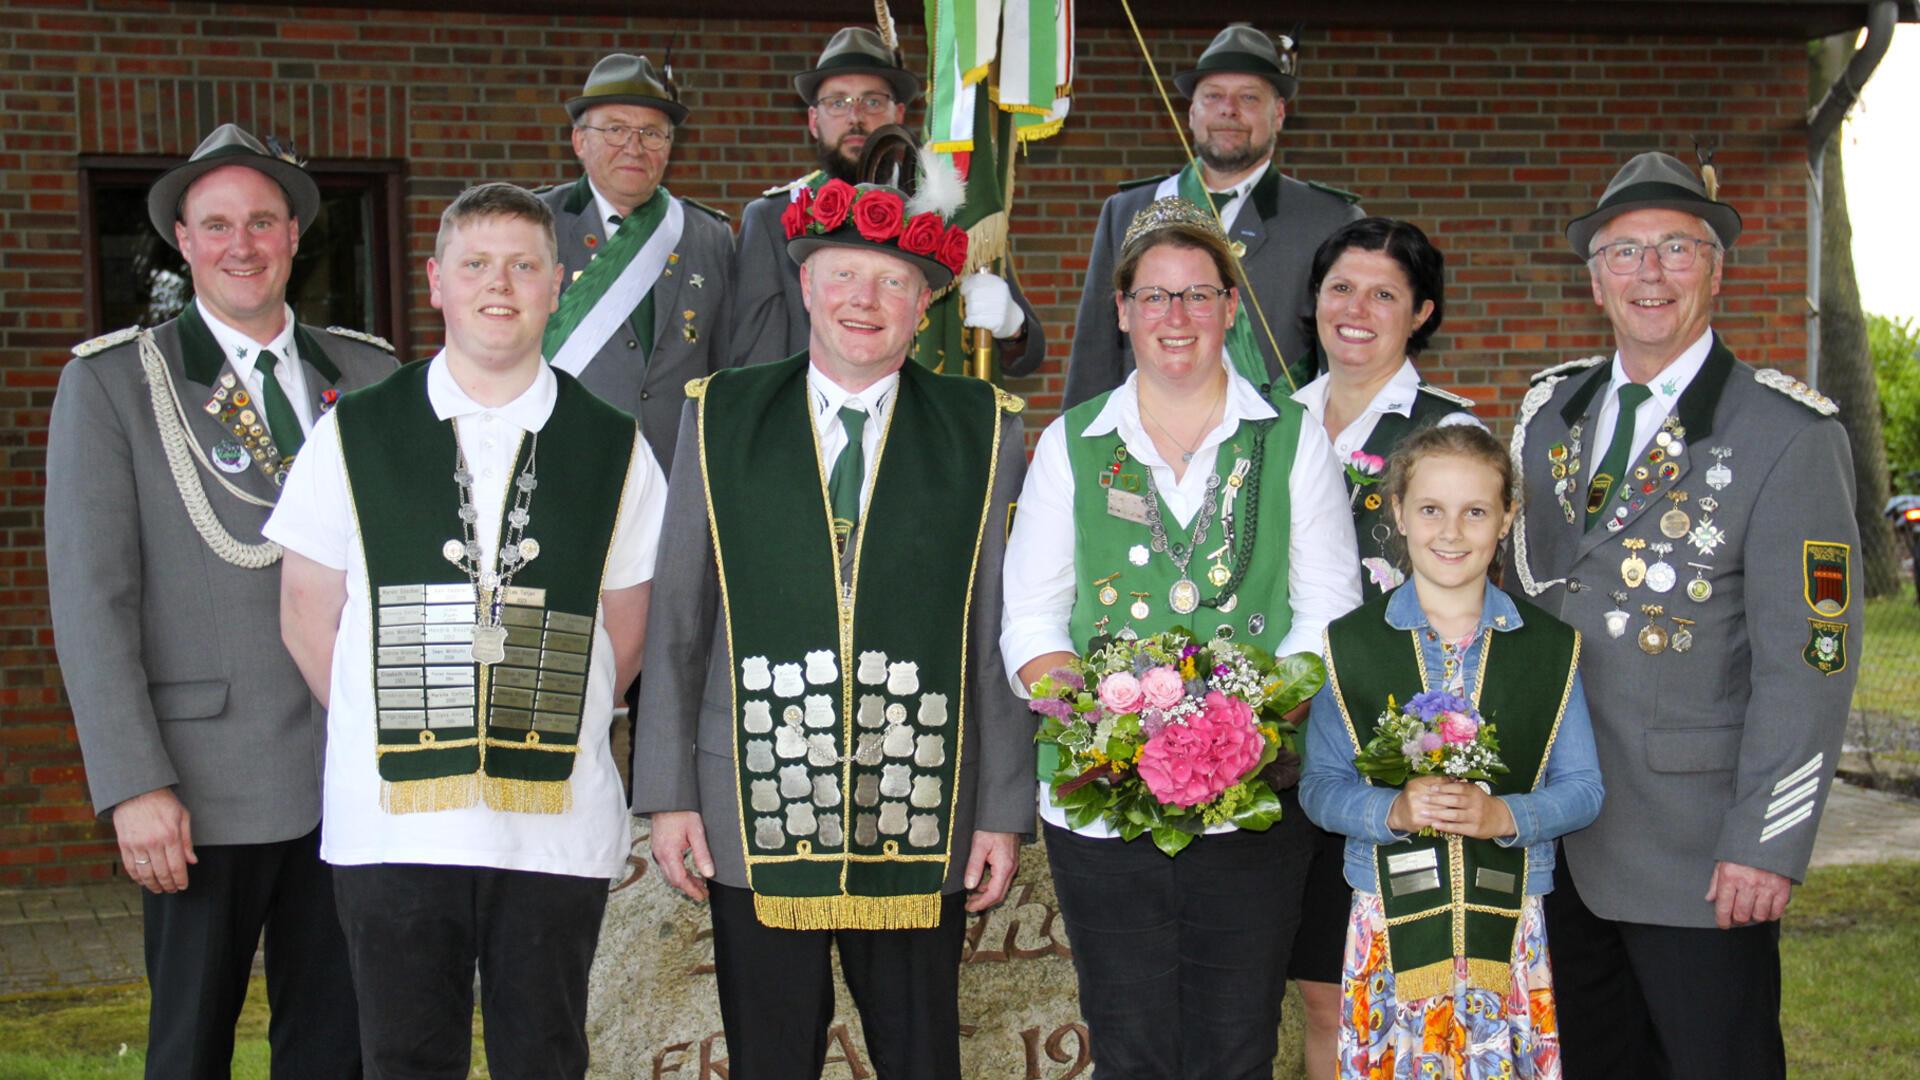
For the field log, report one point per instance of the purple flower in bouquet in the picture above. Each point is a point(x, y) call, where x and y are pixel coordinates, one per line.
point(1432, 703)
point(1068, 678)
point(1120, 693)
point(1192, 763)
point(1054, 707)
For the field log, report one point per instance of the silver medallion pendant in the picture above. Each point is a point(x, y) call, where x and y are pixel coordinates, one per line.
point(1184, 597)
point(1699, 590)
point(1660, 577)
point(489, 644)
point(1719, 477)
point(1616, 622)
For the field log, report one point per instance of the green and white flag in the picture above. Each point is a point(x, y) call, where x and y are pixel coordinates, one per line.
point(963, 37)
point(1036, 66)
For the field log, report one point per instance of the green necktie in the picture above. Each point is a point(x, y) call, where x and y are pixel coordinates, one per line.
point(282, 422)
point(641, 321)
point(1608, 477)
point(1220, 199)
point(843, 487)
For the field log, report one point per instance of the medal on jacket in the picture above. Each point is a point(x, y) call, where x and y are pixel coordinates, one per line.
point(1699, 589)
point(1184, 597)
point(1108, 595)
point(1617, 618)
point(1653, 636)
point(1675, 523)
point(516, 550)
point(1218, 573)
point(1633, 568)
point(1661, 576)
point(1720, 476)
point(1682, 639)
point(1139, 609)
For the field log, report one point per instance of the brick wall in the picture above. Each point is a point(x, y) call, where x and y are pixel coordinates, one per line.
point(1489, 141)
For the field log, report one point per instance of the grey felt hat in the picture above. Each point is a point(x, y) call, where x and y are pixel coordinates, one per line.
point(625, 79)
point(856, 50)
point(1653, 181)
point(1242, 49)
point(230, 144)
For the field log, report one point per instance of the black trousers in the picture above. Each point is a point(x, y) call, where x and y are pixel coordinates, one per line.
point(1182, 961)
point(415, 935)
point(1643, 1002)
point(776, 993)
point(200, 944)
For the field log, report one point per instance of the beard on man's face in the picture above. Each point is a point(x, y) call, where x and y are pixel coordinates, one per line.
point(834, 160)
point(1246, 158)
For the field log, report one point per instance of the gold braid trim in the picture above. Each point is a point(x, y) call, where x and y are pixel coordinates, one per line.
point(427, 796)
point(515, 796)
point(843, 912)
point(1424, 982)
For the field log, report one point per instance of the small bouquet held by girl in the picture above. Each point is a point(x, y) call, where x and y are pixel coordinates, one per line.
point(1434, 734)
point(1167, 735)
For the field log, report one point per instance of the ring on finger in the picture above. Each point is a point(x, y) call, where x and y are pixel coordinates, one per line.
point(142, 862)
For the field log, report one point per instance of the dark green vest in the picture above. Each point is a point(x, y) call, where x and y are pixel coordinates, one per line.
point(849, 696)
point(451, 730)
point(1448, 896)
point(1372, 517)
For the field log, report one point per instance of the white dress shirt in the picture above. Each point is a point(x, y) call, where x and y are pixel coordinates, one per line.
point(607, 211)
point(1397, 397)
point(1667, 388)
point(876, 401)
point(1323, 576)
point(315, 517)
point(241, 351)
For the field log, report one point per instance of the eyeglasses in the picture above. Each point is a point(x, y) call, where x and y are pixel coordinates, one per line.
point(619, 135)
point(1155, 301)
point(1675, 254)
point(869, 104)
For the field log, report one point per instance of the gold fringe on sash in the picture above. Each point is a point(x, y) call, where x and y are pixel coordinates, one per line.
point(427, 796)
point(527, 796)
point(1437, 978)
point(918, 912)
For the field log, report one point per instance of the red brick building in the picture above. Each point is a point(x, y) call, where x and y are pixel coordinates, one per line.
point(1489, 132)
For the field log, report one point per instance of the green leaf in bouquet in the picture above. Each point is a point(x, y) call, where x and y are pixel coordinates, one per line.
point(1298, 677)
point(1259, 810)
point(1171, 840)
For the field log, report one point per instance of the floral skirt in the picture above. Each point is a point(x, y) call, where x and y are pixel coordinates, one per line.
point(1468, 1034)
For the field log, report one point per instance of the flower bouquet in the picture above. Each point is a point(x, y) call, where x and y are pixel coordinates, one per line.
point(1168, 735)
point(1434, 734)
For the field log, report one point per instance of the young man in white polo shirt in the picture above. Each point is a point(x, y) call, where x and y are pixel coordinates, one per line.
point(470, 545)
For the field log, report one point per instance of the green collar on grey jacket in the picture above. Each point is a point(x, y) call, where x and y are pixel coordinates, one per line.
point(200, 354)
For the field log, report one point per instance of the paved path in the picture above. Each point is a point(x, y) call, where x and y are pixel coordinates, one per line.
point(89, 935)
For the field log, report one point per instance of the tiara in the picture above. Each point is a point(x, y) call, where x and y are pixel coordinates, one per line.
point(1171, 212)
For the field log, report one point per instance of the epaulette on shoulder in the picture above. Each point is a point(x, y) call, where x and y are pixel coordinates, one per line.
point(697, 388)
point(106, 341)
point(374, 340)
point(1448, 395)
point(790, 186)
point(1351, 198)
point(697, 204)
point(1797, 390)
point(1129, 185)
point(1562, 369)
point(1012, 404)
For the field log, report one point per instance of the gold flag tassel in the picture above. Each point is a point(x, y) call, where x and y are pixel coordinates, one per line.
point(514, 796)
point(428, 796)
point(918, 912)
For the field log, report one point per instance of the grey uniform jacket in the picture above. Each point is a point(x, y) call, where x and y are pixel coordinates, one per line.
point(1282, 227)
point(683, 744)
point(1723, 751)
point(769, 317)
point(691, 332)
point(171, 655)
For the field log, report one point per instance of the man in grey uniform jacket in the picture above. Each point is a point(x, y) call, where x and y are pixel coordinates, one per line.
point(165, 454)
point(856, 87)
point(1693, 518)
point(645, 298)
point(1238, 91)
point(825, 725)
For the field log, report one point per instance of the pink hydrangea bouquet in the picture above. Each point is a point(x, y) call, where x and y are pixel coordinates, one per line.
point(1434, 734)
point(1167, 735)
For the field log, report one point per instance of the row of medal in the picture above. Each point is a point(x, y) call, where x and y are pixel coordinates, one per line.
point(1660, 577)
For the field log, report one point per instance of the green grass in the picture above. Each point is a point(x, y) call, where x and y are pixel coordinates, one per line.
point(1849, 954)
point(1890, 660)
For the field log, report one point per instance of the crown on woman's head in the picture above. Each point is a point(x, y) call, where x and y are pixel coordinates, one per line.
point(1169, 212)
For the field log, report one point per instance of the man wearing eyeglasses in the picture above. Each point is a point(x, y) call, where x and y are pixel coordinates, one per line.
point(1693, 518)
point(645, 293)
point(856, 87)
point(1238, 93)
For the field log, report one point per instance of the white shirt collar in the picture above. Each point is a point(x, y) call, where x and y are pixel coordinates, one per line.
point(1397, 396)
point(1240, 189)
point(607, 210)
point(828, 396)
point(1122, 413)
point(1672, 382)
point(241, 350)
point(528, 412)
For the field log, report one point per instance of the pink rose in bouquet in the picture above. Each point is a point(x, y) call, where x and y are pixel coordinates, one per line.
point(1162, 688)
point(1458, 727)
point(1192, 763)
point(1120, 693)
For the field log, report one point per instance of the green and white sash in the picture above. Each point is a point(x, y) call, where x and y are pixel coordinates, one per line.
point(613, 283)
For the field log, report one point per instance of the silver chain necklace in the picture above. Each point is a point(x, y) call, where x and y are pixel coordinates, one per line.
point(516, 550)
point(1184, 597)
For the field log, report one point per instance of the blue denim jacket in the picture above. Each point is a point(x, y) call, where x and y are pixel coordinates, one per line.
point(1338, 800)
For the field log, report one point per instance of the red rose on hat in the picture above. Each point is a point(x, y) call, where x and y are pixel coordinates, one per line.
point(831, 202)
point(794, 218)
point(922, 235)
point(878, 215)
point(953, 248)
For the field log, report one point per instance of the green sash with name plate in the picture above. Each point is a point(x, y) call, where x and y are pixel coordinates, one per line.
point(452, 731)
point(848, 695)
point(1446, 895)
